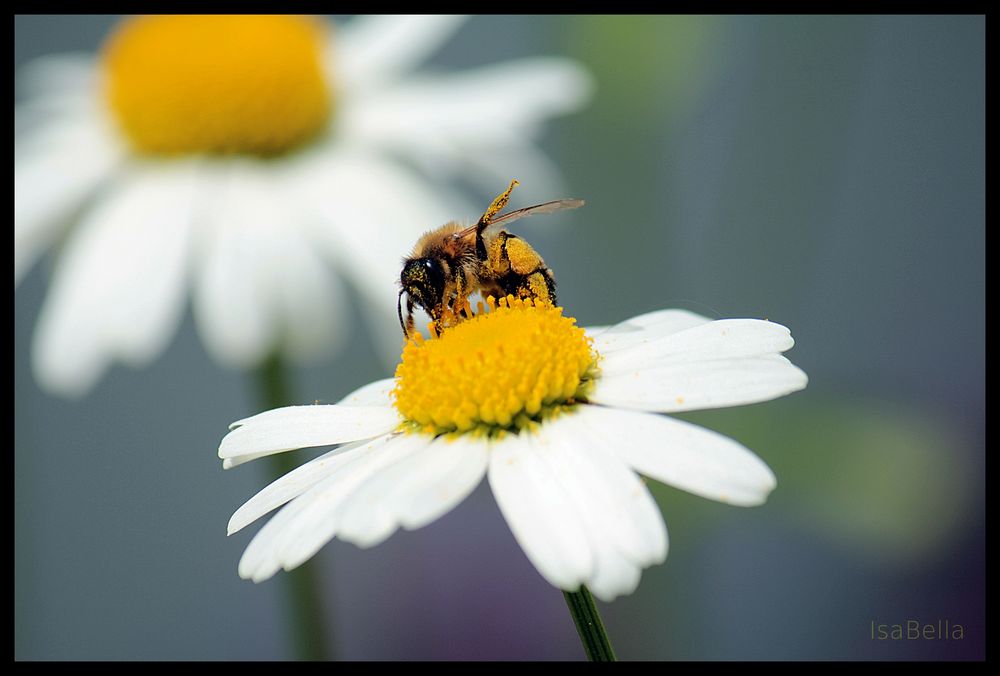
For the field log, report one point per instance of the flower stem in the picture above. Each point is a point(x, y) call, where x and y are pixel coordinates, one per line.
point(308, 628)
point(588, 624)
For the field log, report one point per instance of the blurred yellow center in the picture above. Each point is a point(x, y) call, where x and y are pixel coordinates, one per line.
point(501, 369)
point(218, 84)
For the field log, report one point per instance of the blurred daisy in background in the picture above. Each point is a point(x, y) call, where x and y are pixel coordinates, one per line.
point(259, 161)
point(561, 422)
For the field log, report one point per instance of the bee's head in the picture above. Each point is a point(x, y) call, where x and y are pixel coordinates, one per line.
point(423, 281)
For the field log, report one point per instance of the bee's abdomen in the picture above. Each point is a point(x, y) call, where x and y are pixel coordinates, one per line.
point(541, 285)
point(523, 272)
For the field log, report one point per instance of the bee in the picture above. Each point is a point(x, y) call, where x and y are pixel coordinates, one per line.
point(454, 261)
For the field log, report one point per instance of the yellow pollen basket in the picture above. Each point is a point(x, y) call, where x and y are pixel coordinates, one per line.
point(498, 370)
point(218, 84)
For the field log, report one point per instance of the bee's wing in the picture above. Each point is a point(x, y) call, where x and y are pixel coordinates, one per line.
point(538, 209)
point(511, 216)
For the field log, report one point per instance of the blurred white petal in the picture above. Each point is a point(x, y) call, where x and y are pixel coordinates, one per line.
point(118, 290)
point(490, 168)
point(370, 50)
point(65, 74)
point(233, 299)
point(499, 106)
point(51, 183)
point(261, 283)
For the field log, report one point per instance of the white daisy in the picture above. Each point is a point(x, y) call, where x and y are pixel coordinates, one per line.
point(239, 156)
point(561, 421)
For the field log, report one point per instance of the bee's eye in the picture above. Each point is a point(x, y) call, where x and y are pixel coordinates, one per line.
point(435, 272)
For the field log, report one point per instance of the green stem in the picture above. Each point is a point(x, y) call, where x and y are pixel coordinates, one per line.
point(588, 624)
point(307, 628)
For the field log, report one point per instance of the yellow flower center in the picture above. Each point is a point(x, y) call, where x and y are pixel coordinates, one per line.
point(218, 84)
point(501, 369)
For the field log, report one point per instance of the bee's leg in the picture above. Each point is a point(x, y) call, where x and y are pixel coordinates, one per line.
point(499, 203)
point(439, 325)
point(461, 291)
point(442, 315)
point(408, 327)
point(497, 258)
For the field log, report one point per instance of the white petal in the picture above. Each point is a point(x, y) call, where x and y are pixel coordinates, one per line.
point(285, 429)
point(614, 573)
point(695, 385)
point(51, 183)
point(414, 491)
point(263, 556)
point(118, 291)
point(720, 339)
point(321, 519)
point(290, 486)
point(607, 488)
point(678, 453)
point(229, 463)
point(540, 514)
point(644, 329)
point(371, 49)
point(622, 523)
point(260, 560)
point(372, 394)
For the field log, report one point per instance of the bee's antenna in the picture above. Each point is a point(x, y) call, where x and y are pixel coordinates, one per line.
point(399, 311)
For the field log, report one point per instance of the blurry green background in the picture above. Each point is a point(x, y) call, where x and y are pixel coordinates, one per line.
point(827, 173)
